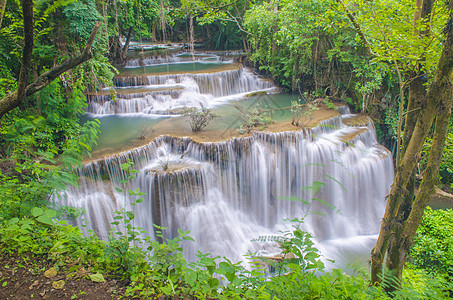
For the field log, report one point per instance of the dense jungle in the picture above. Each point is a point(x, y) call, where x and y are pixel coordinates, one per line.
point(226, 149)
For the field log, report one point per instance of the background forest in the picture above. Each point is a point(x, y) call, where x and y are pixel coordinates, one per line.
point(374, 56)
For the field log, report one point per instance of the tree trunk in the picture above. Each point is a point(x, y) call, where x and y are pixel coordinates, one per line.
point(27, 12)
point(2, 10)
point(153, 38)
point(126, 44)
point(400, 224)
point(163, 22)
point(191, 38)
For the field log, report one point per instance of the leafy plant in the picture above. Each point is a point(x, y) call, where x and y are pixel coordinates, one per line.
point(252, 117)
point(199, 119)
point(301, 113)
point(124, 244)
point(432, 249)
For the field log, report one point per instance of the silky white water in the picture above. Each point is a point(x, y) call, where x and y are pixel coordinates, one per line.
point(176, 91)
point(231, 192)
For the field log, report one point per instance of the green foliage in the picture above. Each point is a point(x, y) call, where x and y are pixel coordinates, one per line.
point(391, 120)
point(386, 26)
point(199, 119)
point(39, 150)
point(161, 270)
point(255, 116)
point(81, 17)
point(141, 16)
point(432, 249)
point(301, 113)
point(40, 234)
point(300, 43)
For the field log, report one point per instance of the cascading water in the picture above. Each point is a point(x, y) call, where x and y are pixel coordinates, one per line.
point(230, 192)
point(163, 94)
point(165, 59)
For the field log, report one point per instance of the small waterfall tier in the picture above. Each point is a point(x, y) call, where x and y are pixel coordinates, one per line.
point(165, 58)
point(164, 93)
point(228, 193)
point(166, 83)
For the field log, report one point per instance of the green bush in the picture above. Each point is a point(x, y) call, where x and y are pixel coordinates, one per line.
point(255, 116)
point(199, 119)
point(433, 244)
point(161, 270)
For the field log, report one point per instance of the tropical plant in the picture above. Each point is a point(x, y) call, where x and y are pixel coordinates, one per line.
point(199, 119)
point(432, 249)
point(255, 116)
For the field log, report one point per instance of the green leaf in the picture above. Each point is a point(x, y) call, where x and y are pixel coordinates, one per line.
point(36, 211)
point(188, 238)
point(97, 277)
point(125, 166)
point(214, 282)
point(295, 199)
point(13, 221)
point(339, 183)
point(166, 290)
point(45, 220)
point(50, 213)
point(130, 215)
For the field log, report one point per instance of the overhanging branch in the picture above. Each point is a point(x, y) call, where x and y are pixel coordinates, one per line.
point(358, 29)
point(11, 101)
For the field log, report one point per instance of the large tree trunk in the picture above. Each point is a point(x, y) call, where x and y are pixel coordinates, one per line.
point(2, 10)
point(163, 21)
point(27, 11)
point(191, 37)
point(126, 44)
point(401, 218)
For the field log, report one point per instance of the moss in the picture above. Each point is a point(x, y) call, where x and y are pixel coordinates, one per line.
point(254, 94)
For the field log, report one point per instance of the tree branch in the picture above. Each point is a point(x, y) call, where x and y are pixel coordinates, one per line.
point(237, 23)
point(11, 101)
point(357, 28)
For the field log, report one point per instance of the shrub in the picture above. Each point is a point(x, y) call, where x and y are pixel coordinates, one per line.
point(433, 244)
point(253, 117)
point(199, 119)
point(301, 113)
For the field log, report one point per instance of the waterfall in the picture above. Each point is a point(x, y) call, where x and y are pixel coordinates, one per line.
point(218, 84)
point(228, 193)
point(175, 91)
point(165, 59)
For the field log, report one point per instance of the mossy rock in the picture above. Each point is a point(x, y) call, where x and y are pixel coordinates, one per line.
point(254, 94)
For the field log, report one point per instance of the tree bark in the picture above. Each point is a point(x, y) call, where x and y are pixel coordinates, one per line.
point(126, 44)
point(15, 98)
point(163, 21)
point(2, 10)
point(395, 228)
point(27, 54)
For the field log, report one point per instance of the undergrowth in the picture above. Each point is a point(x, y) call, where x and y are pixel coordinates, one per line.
point(159, 269)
